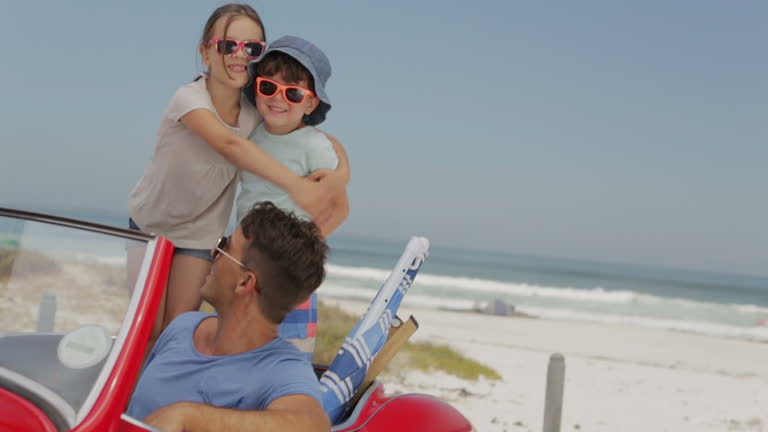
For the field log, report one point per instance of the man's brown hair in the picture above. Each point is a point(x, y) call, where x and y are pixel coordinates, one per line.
point(287, 253)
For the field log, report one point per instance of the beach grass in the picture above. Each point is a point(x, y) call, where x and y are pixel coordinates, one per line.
point(7, 257)
point(23, 262)
point(335, 325)
point(19, 263)
point(427, 356)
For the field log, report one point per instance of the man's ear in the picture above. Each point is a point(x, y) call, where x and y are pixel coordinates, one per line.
point(249, 283)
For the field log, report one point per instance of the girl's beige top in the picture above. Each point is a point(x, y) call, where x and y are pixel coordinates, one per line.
point(188, 190)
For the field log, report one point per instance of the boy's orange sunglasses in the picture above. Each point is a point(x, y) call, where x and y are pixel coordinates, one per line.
point(293, 94)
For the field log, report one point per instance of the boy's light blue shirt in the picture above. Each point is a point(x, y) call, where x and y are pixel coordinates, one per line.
point(176, 371)
point(304, 150)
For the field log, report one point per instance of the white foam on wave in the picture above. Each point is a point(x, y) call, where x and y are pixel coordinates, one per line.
point(114, 260)
point(593, 295)
point(491, 286)
point(751, 309)
point(755, 333)
point(369, 273)
point(352, 288)
point(366, 295)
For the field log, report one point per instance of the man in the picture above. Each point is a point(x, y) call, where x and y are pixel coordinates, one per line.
point(231, 371)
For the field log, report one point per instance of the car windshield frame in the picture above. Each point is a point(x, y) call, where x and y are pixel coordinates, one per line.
point(47, 399)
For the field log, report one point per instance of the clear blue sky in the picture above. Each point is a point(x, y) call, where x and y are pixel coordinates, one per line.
point(622, 131)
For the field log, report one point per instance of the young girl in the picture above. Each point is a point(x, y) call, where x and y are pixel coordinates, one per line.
point(187, 192)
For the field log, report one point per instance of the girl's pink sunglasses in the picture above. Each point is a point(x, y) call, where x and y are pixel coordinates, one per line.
point(230, 47)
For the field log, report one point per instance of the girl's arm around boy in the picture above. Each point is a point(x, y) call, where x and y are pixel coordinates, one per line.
point(311, 196)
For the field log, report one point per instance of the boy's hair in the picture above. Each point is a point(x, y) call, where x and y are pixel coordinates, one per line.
point(276, 62)
point(288, 255)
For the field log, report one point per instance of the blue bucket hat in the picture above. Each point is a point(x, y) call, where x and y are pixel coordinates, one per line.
point(312, 58)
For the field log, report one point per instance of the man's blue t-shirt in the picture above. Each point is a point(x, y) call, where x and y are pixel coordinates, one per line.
point(176, 371)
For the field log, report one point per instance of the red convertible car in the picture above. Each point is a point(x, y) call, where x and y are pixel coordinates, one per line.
point(77, 304)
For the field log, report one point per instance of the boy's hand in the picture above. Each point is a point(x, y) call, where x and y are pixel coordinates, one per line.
point(313, 197)
point(318, 175)
point(323, 220)
point(334, 180)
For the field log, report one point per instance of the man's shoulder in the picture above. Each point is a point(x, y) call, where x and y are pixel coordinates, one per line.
point(284, 350)
point(284, 358)
point(187, 320)
point(194, 316)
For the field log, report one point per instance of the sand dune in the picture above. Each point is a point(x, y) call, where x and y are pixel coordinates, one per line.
point(618, 378)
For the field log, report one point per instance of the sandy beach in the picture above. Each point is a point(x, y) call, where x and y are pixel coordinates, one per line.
point(84, 291)
point(618, 378)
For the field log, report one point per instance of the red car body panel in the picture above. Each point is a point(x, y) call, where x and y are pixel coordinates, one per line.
point(19, 415)
point(416, 413)
point(405, 413)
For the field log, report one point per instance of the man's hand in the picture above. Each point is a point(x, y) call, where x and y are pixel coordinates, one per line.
point(172, 418)
point(294, 413)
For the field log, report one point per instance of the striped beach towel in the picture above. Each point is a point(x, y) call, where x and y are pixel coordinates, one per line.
point(347, 371)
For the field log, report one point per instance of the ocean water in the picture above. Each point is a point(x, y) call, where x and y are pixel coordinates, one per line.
point(725, 305)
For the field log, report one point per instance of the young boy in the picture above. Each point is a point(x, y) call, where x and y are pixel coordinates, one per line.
point(288, 88)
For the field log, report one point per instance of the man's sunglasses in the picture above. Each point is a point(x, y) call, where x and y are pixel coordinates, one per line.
point(293, 94)
point(252, 49)
point(219, 250)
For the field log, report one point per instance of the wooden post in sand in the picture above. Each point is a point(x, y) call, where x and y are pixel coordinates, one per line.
point(46, 315)
point(553, 398)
